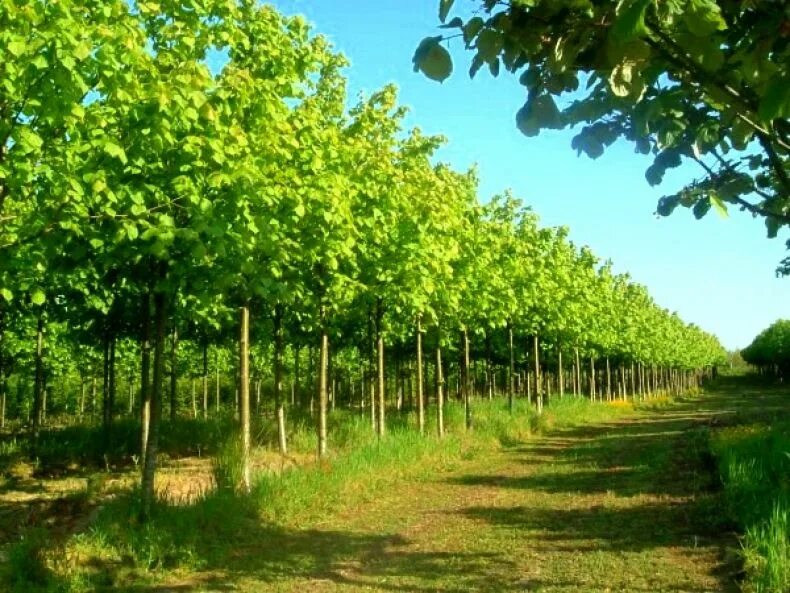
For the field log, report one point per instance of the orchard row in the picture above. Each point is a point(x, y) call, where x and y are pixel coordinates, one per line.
point(192, 170)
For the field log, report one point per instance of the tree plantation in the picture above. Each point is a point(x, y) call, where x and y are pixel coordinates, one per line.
point(201, 235)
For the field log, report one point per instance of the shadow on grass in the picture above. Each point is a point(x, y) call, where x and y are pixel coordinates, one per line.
point(223, 544)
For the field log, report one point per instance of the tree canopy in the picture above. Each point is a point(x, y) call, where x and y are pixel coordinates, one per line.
point(706, 81)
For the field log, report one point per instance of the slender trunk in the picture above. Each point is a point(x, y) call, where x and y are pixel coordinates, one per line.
point(113, 388)
point(297, 378)
point(465, 387)
point(145, 375)
point(608, 381)
point(578, 372)
point(81, 407)
point(38, 382)
point(439, 385)
point(106, 386)
point(205, 379)
point(511, 369)
point(244, 395)
point(322, 386)
point(278, 378)
point(489, 368)
point(173, 373)
point(420, 385)
point(380, 427)
point(149, 468)
point(592, 379)
point(560, 372)
point(3, 396)
point(216, 378)
point(194, 398)
point(538, 385)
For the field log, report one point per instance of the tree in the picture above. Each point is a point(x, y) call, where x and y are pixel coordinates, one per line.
point(705, 80)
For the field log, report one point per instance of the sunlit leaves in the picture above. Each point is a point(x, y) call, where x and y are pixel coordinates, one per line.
point(698, 80)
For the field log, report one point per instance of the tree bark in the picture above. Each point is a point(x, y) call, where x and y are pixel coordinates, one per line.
point(560, 372)
point(465, 388)
point(439, 385)
point(278, 378)
point(322, 386)
point(173, 373)
point(420, 382)
point(244, 395)
point(152, 447)
point(538, 384)
point(38, 382)
point(380, 427)
point(205, 379)
point(511, 369)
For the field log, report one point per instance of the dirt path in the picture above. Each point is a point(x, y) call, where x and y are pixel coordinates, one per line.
point(625, 506)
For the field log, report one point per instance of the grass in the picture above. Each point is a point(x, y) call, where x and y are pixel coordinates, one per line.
point(616, 496)
point(754, 462)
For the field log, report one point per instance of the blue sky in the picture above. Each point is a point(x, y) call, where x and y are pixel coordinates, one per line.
point(717, 273)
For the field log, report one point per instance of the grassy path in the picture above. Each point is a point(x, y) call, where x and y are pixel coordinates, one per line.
point(620, 506)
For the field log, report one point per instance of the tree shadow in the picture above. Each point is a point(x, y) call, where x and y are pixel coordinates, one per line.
point(223, 543)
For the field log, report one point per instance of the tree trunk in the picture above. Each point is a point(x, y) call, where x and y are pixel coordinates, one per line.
point(244, 395)
point(322, 386)
point(173, 373)
point(38, 382)
point(205, 379)
point(297, 378)
point(489, 368)
point(194, 398)
point(113, 388)
point(420, 382)
point(538, 385)
point(149, 468)
point(560, 372)
point(380, 369)
point(592, 379)
point(465, 388)
point(608, 381)
point(216, 377)
point(439, 385)
point(278, 378)
point(511, 368)
point(145, 374)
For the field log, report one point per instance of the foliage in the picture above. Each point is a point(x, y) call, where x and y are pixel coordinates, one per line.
point(706, 81)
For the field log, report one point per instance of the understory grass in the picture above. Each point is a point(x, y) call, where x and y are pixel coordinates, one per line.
point(204, 534)
point(754, 463)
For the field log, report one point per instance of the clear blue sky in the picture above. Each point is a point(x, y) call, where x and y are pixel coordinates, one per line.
point(717, 273)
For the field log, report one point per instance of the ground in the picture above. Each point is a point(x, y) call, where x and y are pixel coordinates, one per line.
point(630, 505)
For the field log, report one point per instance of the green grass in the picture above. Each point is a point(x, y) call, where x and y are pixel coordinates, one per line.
point(615, 496)
point(754, 462)
point(359, 469)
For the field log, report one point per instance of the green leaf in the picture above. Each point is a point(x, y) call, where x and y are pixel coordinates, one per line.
point(718, 205)
point(16, 48)
point(489, 44)
point(625, 81)
point(703, 18)
point(630, 20)
point(6, 294)
point(37, 297)
point(587, 143)
point(115, 151)
point(433, 60)
point(444, 9)
point(667, 205)
point(701, 208)
point(472, 28)
point(27, 140)
point(776, 100)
